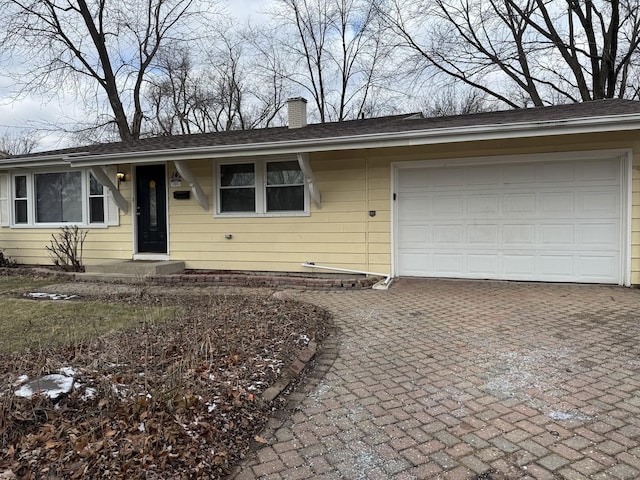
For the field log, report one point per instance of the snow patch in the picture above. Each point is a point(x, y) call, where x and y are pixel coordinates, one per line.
point(88, 394)
point(68, 371)
point(52, 386)
point(568, 416)
point(49, 296)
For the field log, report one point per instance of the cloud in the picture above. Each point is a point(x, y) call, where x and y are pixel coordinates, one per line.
point(50, 114)
point(253, 10)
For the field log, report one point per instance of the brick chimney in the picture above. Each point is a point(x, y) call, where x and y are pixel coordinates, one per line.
point(297, 109)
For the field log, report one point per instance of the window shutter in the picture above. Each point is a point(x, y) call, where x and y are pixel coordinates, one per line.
point(4, 200)
point(113, 212)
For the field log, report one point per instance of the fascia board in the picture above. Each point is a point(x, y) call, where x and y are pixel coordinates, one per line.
point(376, 140)
point(34, 163)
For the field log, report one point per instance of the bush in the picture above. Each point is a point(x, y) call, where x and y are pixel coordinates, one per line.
point(5, 261)
point(66, 248)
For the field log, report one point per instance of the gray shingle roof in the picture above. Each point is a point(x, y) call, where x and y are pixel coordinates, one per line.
point(354, 128)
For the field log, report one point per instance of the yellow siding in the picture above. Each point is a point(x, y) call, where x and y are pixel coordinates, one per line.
point(340, 234)
point(102, 244)
point(334, 235)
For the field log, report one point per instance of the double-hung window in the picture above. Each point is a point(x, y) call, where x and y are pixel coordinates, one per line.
point(20, 200)
point(266, 187)
point(58, 198)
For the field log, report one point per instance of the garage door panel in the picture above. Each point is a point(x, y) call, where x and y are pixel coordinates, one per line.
point(538, 221)
point(600, 234)
point(483, 235)
point(447, 205)
point(414, 236)
point(519, 174)
point(561, 235)
point(599, 171)
point(448, 264)
point(487, 204)
point(519, 266)
point(486, 264)
point(598, 202)
point(448, 234)
point(598, 267)
point(519, 203)
point(412, 207)
point(449, 177)
point(557, 172)
point(558, 203)
point(518, 235)
point(556, 266)
point(415, 263)
point(484, 175)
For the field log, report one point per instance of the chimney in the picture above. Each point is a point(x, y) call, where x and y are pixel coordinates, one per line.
point(297, 108)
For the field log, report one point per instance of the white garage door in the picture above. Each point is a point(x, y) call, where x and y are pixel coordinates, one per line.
point(555, 221)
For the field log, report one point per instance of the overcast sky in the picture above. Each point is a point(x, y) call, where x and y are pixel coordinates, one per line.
point(34, 111)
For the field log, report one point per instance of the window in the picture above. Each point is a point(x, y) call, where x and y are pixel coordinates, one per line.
point(96, 201)
point(261, 188)
point(58, 198)
point(20, 199)
point(285, 187)
point(238, 187)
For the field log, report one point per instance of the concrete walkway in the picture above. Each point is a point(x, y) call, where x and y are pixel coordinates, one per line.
point(460, 380)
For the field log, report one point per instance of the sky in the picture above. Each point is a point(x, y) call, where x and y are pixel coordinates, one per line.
point(33, 111)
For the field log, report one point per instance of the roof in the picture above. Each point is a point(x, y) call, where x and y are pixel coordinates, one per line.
point(408, 129)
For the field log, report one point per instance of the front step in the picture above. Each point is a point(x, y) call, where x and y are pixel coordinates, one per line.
point(142, 268)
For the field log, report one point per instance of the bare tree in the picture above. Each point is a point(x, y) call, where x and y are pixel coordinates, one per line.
point(522, 52)
point(455, 101)
point(238, 86)
point(12, 143)
point(101, 48)
point(336, 52)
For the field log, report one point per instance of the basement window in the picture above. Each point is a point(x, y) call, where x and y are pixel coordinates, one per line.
point(261, 188)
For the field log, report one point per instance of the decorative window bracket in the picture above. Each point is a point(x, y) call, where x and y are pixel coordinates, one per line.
point(303, 161)
point(104, 179)
point(186, 173)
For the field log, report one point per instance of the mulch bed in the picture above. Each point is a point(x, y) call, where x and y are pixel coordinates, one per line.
point(178, 399)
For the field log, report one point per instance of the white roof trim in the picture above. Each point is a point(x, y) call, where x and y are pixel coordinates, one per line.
point(405, 138)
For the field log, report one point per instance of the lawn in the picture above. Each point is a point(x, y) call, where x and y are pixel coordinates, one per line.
point(40, 324)
point(166, 386)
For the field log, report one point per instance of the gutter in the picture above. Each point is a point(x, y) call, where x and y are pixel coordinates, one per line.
point(376, 140)
point(381, 285)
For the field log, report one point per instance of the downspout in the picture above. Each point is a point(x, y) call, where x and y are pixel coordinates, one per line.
point(381, 285)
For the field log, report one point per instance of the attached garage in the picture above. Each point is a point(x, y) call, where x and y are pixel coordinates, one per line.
point(533, 218)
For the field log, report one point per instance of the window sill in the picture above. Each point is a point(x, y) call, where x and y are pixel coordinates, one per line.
point(49, 226)
point(262, 215)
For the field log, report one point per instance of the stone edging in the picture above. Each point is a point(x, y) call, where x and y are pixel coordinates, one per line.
point(278, 281)
point(271, 281)
point(310, 367)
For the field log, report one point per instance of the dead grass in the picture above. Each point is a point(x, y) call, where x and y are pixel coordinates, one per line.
point(37, 324)
point(19, 283)
point(162, 400)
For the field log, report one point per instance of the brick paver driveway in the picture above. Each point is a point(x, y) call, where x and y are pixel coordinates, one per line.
point(458, 379)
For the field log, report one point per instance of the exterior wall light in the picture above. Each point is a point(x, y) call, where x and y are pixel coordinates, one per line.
point(121, 177)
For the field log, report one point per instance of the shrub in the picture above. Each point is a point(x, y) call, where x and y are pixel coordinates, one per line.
point(66, 248)
point(5, 261)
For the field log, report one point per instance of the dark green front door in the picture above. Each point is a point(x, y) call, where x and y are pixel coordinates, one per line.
point(151, 197)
